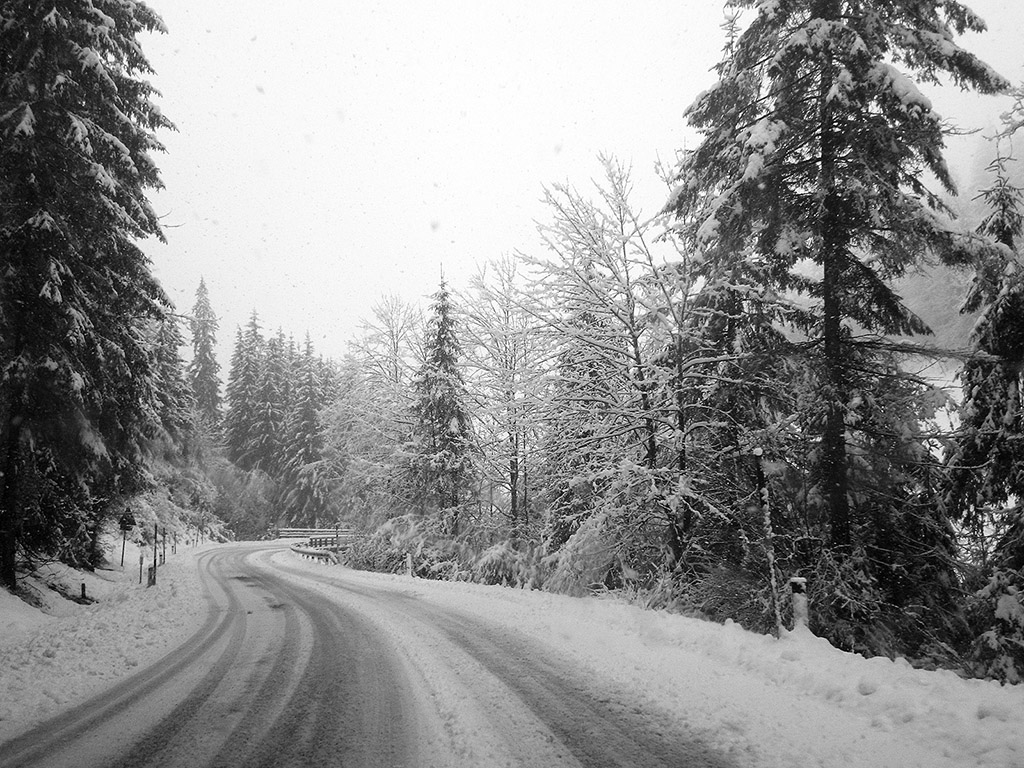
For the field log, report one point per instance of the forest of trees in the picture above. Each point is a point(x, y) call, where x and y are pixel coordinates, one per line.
point(691, 407)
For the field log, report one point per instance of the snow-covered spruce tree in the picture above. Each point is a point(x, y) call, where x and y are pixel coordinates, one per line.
point(174, 400)
point(442, 451)
point(265, 447)
point(305, 478)
point(986, 464)
point(77, 127)
point(204, 370)
point(243, 378)
point(811, 167)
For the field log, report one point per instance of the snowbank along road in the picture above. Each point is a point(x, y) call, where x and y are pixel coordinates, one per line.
point(301, 668)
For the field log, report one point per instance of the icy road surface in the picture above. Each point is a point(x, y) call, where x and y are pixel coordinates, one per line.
point(303, 667)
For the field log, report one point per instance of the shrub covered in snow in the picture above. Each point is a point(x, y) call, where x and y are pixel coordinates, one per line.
point(586, 559)
point(999, 651)
point(434, 554)
point(505, 563)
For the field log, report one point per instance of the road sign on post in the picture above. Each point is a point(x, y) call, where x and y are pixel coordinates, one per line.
point(127, 522)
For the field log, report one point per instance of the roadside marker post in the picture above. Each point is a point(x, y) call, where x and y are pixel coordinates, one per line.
point(127, 522)
point(798, 587)
point(152, 568)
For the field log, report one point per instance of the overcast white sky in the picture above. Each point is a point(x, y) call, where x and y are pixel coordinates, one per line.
point(330, 152)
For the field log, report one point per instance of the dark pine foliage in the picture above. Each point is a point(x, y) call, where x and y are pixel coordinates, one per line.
point(243, 379)
point(204, 370)
point(986, 463)
point(808, 182)
point(77, 127)
point(442, 448)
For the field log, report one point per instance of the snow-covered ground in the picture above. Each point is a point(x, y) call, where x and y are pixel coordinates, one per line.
point(52, 660)
point(767, 702)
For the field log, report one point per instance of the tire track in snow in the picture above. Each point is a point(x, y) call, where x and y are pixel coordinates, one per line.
point(293, 668)
point(42, 742)
point(586, 719)
point(348, 707)
point(234, 700)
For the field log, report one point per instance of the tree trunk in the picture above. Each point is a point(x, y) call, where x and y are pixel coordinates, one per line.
point(833, 467)
point(9, 518)
point(513, 483)
point(10, 438)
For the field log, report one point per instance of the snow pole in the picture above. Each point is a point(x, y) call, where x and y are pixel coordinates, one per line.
point(798, 590)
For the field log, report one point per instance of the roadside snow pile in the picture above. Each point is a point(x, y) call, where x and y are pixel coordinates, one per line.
point(18, 617)
point(52, 660)
point(795, 701)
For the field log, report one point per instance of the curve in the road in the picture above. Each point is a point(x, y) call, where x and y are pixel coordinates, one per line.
point(583, 714)
point(300, 669)
point(31, 747)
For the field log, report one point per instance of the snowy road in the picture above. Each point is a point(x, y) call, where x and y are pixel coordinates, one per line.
point(295, 667)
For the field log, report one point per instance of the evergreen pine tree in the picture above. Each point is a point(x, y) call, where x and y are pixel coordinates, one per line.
point(246, 363)
point(306, 490)
point(173, 395)
point(76, 131)
point(442, 447)
point(203, 371)
point(814, 150)
point(987, 466)
point(987, 461)
point(265, 446)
